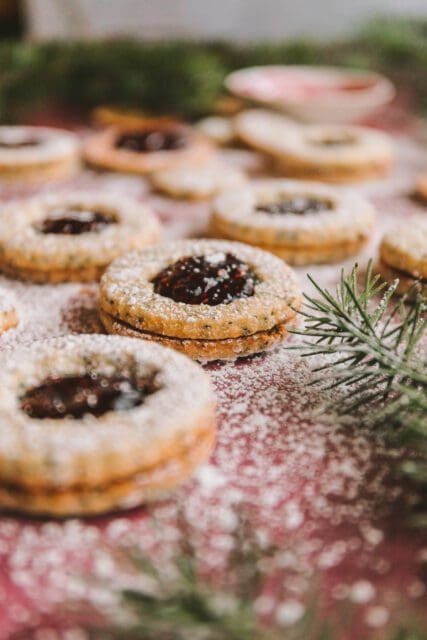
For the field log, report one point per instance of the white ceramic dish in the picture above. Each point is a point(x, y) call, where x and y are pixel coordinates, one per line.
point(313, 94)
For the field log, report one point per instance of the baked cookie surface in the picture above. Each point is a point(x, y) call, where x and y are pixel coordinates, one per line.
point(201, 291)
point(73, 237)
point(197, 181)
point(331, 153)
point(403, 252)
point(218, 129)
point(32, 154)
point(8, 312)
point(421, 187)
point(97, 422)
point(301, 222)
point(154, 145)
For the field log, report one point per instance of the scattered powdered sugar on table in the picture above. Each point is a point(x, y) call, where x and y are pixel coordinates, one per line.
point(323, 491)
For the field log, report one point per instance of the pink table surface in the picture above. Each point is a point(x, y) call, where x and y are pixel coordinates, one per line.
point(323, 492)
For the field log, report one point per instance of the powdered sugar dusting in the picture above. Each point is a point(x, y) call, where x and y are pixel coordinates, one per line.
point(322, 491)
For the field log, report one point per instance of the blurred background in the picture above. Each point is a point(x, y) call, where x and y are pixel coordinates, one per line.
point(171, 56)
point(241, 20)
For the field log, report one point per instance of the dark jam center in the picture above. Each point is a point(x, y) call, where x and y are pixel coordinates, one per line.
point(215, 279)
point(298, 206)
point(74, 222)
point(74, 396)
point(18, 143)
point(151, 140)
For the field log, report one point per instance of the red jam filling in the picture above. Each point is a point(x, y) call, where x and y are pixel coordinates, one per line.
point(216, 279)
point(74, 222)
point(297, 205)
point(151, 140)
point(73, 396)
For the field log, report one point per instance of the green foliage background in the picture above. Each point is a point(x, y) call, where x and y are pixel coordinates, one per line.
point(187, 77)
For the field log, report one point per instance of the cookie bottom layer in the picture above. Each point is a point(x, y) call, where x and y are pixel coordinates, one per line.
point(126, 494)
point(53, 276)
point(57, 170)
point(225, 349)
point(307, 171)
point(300, 255)
point(407, 283)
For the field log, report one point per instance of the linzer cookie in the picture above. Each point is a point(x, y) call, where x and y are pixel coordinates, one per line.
point(403, 256)
point(301, 222)
point(207, 298)
point(197, 181)
point(68, 238)
point(95, 423)
point(330, 153)
point(32, 154)
point(150, 146)
point(8, 312)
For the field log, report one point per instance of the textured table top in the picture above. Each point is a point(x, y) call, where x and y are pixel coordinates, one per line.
point(321, 491)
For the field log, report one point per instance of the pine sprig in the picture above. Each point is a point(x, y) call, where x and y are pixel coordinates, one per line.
point(375, 357)
point(371, 346)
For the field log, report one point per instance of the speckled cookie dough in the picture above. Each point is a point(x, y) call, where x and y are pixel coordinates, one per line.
point(66, 238)
point(153, 484)
point(205, 350)
point(33, 154)
point(8, 313)
point(146, 148)
point(301, 222)
point(407, 284)
point(403, 251)
point(63, 456)
point(197, 181)
point(266, 301)
point(331, 153)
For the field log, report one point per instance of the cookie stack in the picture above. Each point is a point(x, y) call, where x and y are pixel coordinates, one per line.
point(208, 299)
point(301, 222)
point(330, 153)
point(96, 423)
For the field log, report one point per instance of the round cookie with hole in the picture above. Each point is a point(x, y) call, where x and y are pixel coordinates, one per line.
point(95, 423)
point(37, 154)
point(210, 299)
point(71, 238)
point(301, 222)
point(151, 146)
point(328, 153)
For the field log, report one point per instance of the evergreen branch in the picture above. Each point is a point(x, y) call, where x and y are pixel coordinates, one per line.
point(375, 355)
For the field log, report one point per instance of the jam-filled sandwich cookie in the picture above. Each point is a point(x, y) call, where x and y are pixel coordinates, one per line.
point(330, 153)
point(403, 256)
point(146, 148)
point(301, 222)
point(37, 153)
point(209, 299)
point(71, 238)
point(197, 181)
point(95, 423)
point(8, 312)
